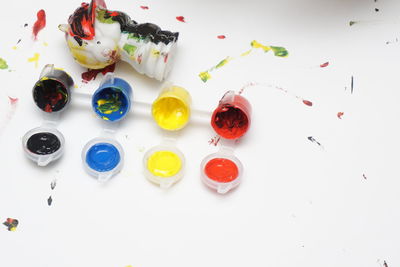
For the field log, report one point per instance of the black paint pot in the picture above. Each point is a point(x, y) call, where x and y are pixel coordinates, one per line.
point(43, 145)
point(52, 92)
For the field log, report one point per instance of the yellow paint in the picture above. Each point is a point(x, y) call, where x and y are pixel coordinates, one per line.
point(164, 164)
point(35, 59)
point(246, 53)
point(45, 44)
point(155, 52)
point(256, 44)
point(171, 110)
point(14, 47)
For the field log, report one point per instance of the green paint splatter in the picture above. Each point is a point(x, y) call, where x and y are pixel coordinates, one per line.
point(279, 51)
point(110, 105)
point(205, 76)
point(130, 49)
point(223, 62)
point(101, 16)
point(3, 64)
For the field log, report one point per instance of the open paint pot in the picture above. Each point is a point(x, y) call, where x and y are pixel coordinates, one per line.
point(103, 158)
point(112, 100)
point(52, 93)
point(43, 145)
point(231, 119)
point(221, 171)
point(164, 164)
point(171, 109)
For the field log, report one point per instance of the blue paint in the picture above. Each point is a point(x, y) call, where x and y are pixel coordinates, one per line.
point(120, 89)
point(103, 157)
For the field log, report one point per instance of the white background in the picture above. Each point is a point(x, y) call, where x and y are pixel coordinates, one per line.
point(298, 205)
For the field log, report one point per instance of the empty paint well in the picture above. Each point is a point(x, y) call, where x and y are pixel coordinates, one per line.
point(221, 171)
point(103, 158)
point(171, 109)
point(164, 165)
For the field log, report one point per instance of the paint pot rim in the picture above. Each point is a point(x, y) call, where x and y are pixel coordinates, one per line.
point(67, 89)
point(182, 102)
point(216, 129)
point(43, 160)
point(106, 175)
point(221, 187)
point(164, 182)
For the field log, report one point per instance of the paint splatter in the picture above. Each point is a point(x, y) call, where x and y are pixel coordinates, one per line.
point(364, 176)
point(144, 7)
point(25, 25)
point(19, 40)
point(307, 102)
point(376, 9)
point(53, 184)
point(91, 74)
point(49, 201)
point(323, 65)
point(181, 18)
point(351, 23)
point(11, 224)
point(39, 24)
point(3, 64)
point(352, 84)
point(277, 50)
point(215, 140)
point(312, 139)
point(340, 114)
point(385, 264)
point(35, 59)
point(13, 100)
point(393, 41)
point(221, 36)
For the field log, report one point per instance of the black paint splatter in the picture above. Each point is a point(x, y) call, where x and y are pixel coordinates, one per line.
point(364, 176)
point(376, 9)
point(352, 84)
point(26, 25)
point(385, 264)
point(11, 224)
point(49, 201)
point(312, 139)
point(53, 184)
point(19, 41)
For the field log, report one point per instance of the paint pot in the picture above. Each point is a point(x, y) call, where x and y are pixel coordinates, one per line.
point(112, 100)
point(43, 145)
point(171, 109)
point(52, 92)
point(164, 164)
point(231, 119)
point(221, 171)
point(103, 158)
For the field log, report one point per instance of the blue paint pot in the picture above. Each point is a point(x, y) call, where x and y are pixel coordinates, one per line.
point(112, 100)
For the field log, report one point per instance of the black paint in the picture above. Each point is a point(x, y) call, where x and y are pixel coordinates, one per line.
point(50, 95)
point(43, 143)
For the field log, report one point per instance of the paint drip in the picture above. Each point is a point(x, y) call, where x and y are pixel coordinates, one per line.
point(39, 24)
point(44, 143)
point(221, 170)
point(50, 95)
point(91, 74)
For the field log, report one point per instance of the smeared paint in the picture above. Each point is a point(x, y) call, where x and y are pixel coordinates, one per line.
point(181, 18)
point(340, 114)
point(35, 59)
point(11, 224)
point(352, 84)
point(323, 65)
point(39, 24)
point(109, 105)
point(221, 36)
point(13, 100)
point(307, 102)
point(351, 23)
point(3, 64)
point(91, 74)
point(364, 176)
point(312, 139)
point(277, 50)
point(215, 140)
point(144, 7)
point(53, 184)
point(385, 264)
point(49, 201)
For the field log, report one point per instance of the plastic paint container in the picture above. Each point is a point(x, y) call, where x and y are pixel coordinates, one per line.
point(112, 100)
point(171, 109)
point(103, 158)
point(231, 119)
point(221, 171)
point(164, 164)
point(52, 92)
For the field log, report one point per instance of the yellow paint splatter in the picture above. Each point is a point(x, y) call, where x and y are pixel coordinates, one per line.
point(35, 59)
point(45, 44)
point(256, 44)
point(155, 53)
point(205, 76)
point(14, 47)
point(246, 53)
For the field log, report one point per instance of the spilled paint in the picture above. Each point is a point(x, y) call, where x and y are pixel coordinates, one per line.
point(39, 24)
point(180, 18)
point(91, 74)
point(277, 50)
point(49, 201)
point(340, 114)
point(144, 7)
point(3, 64)
point(35, 59)
point(221, 36)
point(53, 184)
point(307, 102)
point(313, 140)
point(324, 65)
point(11, 224)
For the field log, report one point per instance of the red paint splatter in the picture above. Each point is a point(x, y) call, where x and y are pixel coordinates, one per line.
point(144, 7)
point(221, 170)
point(139, 59)
point(13, 100)
point(326, 64)
point(181, 18)
point(340, 114)
point(166, 58)
point(91, 74)
point(221, 36)
point(39, 24)
point(308, 103)
point(114, 14)
point(215, 140)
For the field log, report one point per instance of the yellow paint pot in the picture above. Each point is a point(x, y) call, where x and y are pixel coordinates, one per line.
point(171, 109)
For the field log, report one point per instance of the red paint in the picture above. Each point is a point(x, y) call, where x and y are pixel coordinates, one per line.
point(231, 119)
point(215, 140)
point(221, 170)
point(13, 100)
point(326, 64)
point(308, 103)
point(221, 36)
point(39, 24)
point(166, 58)
point(91, 74)
point(181, 18)
point(114, 14)
point(144, 7)
point(340, 114)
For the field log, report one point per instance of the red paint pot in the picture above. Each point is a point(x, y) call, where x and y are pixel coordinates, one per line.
point(221, 171)
point(231, 119)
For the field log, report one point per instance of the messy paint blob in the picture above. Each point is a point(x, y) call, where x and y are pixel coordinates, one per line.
point(307, 102)
point(103, 157)
point(340, 114)
point(50, 95)
point(39, 24)
point(49, 201)
point(181, 18)
point(44, 143)
point(221, 36)
point(323, 65)
point(221, 170)
point(35, 59)
point(144, 7)
point(13, 100)
point(3, 64)
point(91, 74)
point(110, 104)
point(11, 224)
point(164, 164)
